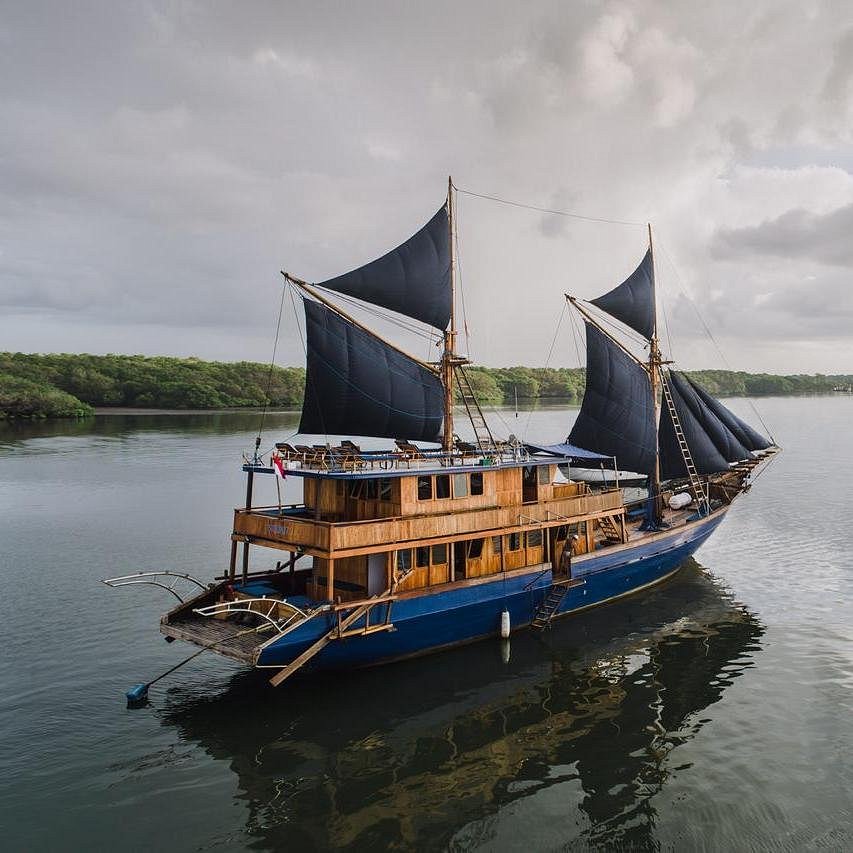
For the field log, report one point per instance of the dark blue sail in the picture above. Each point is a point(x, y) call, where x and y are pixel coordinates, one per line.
point(712, 445)
point(356, 384)
point(617, 416)
point(745, 434)
point(413, 279)
point(633, 301)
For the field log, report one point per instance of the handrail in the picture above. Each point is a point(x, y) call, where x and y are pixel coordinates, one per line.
point(533, 581)
point(243, 605)
point(147, 578)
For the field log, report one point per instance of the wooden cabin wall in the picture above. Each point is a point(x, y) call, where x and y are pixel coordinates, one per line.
point(350, 579)
point(410, 504)
point(508, 486)
point(337, 502)
point(329, 494)
point(431, 566)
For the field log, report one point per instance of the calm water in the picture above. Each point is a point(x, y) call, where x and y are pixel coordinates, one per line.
point(715, 712)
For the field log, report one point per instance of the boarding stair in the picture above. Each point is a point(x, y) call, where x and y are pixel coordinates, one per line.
point(549, 606)
point(483, 435)
point(696, 483)
point(612, 531)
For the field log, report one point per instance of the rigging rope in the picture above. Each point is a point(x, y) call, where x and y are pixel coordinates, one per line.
point(551, 210)
point(712, 338)
point(547, 363)
point(377, 311)
point(269, 375)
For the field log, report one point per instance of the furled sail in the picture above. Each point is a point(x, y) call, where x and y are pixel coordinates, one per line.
point(712, 444)
point(413, 279)
point(356, 384)
point(633, 301)
point(745, 434)
point(617, 416)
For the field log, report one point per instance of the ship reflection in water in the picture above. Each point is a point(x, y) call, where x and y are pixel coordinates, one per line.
point(569, 742)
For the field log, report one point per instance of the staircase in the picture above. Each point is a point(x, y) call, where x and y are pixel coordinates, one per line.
point(695, 480)
point(549, 606)
point(612, 531)
point(484, 440)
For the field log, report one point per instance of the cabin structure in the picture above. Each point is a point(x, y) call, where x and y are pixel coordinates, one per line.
point(411, 525)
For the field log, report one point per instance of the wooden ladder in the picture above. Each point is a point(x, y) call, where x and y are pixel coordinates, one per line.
point(340, 632)
point(695, 480)
point(612, 531)
point(549, 606)
point(485, 441)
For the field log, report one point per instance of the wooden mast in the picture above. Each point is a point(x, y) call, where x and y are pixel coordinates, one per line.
point(448, 357)
point(655, 362)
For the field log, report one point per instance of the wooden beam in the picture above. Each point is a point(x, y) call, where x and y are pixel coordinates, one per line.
point(303, 285)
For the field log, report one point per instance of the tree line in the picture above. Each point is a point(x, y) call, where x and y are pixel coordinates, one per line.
point(67, 385)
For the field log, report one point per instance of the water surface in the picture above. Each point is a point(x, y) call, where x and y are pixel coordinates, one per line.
point(713, 712)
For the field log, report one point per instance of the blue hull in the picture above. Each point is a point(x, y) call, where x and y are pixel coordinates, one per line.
point(428, 622)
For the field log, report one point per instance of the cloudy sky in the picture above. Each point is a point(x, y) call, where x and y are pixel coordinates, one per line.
point(160, 162)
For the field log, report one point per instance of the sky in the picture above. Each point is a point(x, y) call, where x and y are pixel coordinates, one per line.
point(161, 162)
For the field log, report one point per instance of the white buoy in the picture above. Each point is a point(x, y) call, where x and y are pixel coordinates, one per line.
point(505, 624)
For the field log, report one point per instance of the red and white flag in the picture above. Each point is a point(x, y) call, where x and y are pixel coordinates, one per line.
point(278, 467)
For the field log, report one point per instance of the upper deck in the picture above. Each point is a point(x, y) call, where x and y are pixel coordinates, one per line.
point(354, 504)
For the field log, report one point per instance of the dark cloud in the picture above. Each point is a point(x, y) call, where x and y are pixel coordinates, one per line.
point(797, 234)
point(160, 162)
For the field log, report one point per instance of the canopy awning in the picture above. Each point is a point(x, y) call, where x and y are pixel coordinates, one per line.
point(576, 455)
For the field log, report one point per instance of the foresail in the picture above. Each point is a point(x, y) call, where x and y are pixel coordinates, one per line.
point(617, 416)
point(745, 434)
point(413, 279)
point(712, 444)
point(633, 301)
point(356, 384)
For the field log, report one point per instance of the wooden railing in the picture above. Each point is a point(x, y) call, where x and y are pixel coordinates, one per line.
point(354, 537)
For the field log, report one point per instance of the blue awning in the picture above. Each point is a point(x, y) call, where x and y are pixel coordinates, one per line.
point(577, 455)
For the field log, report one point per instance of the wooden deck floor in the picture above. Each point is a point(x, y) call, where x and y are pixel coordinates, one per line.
point(229, 637)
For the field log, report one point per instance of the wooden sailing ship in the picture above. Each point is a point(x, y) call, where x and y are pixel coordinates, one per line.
point(407, 550)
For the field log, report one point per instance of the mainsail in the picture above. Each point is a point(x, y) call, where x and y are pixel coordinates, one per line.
point(633, 301)
point(356, 384)
point(413, 279)
point(617, 416)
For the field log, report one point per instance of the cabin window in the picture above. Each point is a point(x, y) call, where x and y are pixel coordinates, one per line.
point(340, 486)
point(544, 475)
point(424, 488)
point(477, 483)
point(355, 488)
point(497, 544)
point(439, 555)
point(442, 486)
point(534, 539)
point(404, 560)
point(422, 556)
point(385, 489)
point(514, 541)
point(371, 490)
point(564, 531)
point(460, 485)
point(475, 549)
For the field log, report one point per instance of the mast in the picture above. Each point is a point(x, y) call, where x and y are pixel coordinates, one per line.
point(448, 357)
point(655, 362)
